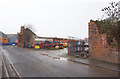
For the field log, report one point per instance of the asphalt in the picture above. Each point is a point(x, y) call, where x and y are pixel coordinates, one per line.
point(37, 63)
point(62, 54)
point(96, 63)
point(0, 63)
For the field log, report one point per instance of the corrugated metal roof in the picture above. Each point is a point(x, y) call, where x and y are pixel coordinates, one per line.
point(2, 34)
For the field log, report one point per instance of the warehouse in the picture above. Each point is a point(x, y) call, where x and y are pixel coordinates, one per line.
point(3, 39)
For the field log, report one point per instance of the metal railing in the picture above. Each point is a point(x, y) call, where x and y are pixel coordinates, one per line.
point(78, 48)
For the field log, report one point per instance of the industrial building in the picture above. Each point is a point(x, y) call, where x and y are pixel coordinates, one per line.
point(26, 37)
point(12, 39)
point(3, 39)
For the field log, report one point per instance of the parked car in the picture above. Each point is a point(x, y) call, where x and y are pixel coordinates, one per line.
point(65, 45)
point(61, 45)
point(13, 44)
point(57, 47)
point(37, 46)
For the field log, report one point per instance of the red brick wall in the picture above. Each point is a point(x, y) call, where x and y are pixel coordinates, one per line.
point(20, 38)
point(99, 49)
point(22, 41)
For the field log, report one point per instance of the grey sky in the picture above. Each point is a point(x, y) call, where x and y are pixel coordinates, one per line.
point(60, 18)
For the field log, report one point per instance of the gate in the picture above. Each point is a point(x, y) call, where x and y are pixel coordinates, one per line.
point(78, 48)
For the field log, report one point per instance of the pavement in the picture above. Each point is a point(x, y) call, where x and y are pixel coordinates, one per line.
point(38, 63)
point(96, 63)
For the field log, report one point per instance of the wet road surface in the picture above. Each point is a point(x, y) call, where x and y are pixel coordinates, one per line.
point(30, 63)
point(0, 63)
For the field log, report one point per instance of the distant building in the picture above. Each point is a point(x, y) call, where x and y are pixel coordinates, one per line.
point(26, 37)
point(50, 39)
point(3, 39)
point(12, 38)
point(61, 40)
point(46, 39)
point(39, 40)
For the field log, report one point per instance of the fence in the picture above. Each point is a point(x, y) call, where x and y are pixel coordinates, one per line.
point(78, 48)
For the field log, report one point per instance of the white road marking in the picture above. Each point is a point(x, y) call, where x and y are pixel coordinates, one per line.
point(5, 52)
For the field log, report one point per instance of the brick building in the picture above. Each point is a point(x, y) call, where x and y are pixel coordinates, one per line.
point(98, 47)
point(26, 37)
point(51, 39)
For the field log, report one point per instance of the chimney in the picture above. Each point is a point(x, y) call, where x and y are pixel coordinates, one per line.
point(22, 28)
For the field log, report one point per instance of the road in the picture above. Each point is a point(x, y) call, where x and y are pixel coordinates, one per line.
point(0, 63)
point(33, 63)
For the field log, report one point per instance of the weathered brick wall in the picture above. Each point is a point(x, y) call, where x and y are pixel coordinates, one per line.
point(23, 40)
point(20, 40)
point(99, 49)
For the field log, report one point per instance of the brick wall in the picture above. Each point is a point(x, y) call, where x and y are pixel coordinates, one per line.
point(22, 40)
point(99, 49)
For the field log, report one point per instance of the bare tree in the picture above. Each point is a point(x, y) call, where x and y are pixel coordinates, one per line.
point(110, 26)
point(112, 11)
point(30, 26)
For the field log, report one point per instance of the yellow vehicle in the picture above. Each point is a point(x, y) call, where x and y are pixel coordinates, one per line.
point(65, 45)
point(57, 47)
point(37, 46)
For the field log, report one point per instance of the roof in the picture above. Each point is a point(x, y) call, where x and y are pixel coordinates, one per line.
point(46, 37)
point(52, 38)
point(10, 35)
point(2, 34)
point(30, 30)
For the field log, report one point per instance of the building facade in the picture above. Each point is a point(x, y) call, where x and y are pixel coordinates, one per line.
point(61, 40)
point(12, 38)
point(3, 39)
point(51, 39)
point(26, 37)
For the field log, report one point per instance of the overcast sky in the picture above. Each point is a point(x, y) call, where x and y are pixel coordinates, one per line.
point(51, 18)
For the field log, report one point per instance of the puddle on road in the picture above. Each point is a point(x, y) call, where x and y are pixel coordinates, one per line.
point(56, 58)
point(61, 58)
